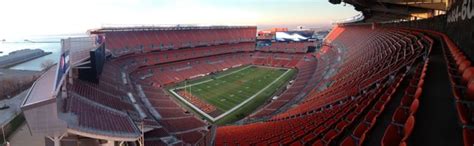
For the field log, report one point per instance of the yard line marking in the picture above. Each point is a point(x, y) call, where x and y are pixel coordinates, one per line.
point(233, 72)
point(249, 99)
point(235, 107)
point(190, 85)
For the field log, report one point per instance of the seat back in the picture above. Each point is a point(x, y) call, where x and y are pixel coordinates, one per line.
point(348, 141)
point(464, 64)
point(470, 90)
point(418, 93)
point(408, 128)
point(467, 75)
point(414, 106)
point(391, 136)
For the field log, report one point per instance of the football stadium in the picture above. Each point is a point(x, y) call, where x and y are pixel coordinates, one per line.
point(400, 73)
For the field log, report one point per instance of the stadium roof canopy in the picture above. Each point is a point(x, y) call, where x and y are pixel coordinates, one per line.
point(392, 10)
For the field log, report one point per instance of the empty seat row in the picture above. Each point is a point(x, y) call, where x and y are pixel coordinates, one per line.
point(287, 47)
point(381, 54)
point(403, 119)
point(461, 75)
point(365, 68)
point(124, 42)
point(92, 118)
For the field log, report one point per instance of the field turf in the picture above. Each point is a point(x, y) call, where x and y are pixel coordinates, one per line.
point(230, 88)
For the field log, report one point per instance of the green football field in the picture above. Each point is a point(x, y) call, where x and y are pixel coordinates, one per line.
point(230, 89)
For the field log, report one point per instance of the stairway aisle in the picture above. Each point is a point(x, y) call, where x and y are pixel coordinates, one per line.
point(436, 119)
point(384, 119)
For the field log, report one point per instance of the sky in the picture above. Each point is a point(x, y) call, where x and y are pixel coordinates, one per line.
point(52, 17)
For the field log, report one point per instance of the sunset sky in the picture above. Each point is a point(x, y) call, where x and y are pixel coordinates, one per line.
point(48, 17)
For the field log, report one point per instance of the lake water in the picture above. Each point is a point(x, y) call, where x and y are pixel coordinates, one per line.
point(11, 45)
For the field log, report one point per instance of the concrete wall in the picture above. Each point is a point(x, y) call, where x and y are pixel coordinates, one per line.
point(458, 24)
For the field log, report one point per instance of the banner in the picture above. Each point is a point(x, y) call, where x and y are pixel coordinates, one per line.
point(63, 66)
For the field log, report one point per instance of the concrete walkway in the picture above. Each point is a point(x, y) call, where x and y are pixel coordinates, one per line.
point(22, 137)
point(14, 107)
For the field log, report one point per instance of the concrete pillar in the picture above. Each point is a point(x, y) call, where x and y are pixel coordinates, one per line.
point(56, 140)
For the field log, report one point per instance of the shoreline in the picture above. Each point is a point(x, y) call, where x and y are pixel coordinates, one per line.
point(24, 60)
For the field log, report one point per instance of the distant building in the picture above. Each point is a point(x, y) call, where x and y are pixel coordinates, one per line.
point(269, 34)
point(278, 30)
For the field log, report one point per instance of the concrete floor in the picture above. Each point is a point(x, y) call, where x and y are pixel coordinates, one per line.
point(22, 137)
point(14, 107)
